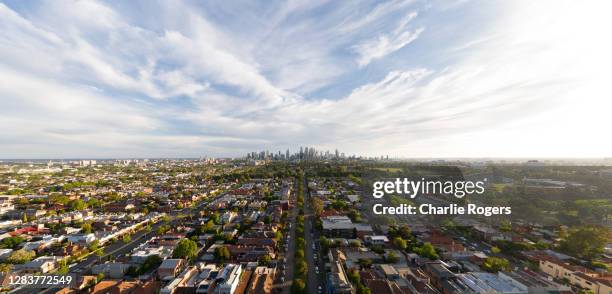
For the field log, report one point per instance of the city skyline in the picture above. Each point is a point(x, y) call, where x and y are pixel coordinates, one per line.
point(408, 79)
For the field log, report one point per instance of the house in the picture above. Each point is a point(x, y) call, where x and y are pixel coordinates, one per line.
point(228, 279)
point(376, 240)
point(81, 238)
point(576, 275)
point(5, 253)
point(169, 268)
point(342, 226)
point(113, 270)
point(484, 283)
point(262, 279)
point(43, 264)
point(180, 283)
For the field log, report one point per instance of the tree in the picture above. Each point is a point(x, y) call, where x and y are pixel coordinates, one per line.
point(86, 228)
point(362, 289)
point(427, 250)
point(495, 250)
point(354, 215)
point(585, 242)
point(185, 249)
point(126, 238)
point(162, 229)
point(400, 243)
point(222, 253)
point(505, 226)
point(99, 252)
point(63, 267)
point(265, 261)
point(354, 276)
point(5, 267)
point(365, 262)
point(21, 256)
point(93, 202)
point(165, 219)
point(298, 286)
point(355, 243)
point(267, 219)
point(11, 242)
point(301, 268)
point(77, 204)
point(93, 246)
point(278, 235)
point(404, 232)
point(317, 205)
point(392, 257)
point(299, 254)
point(150, 263)
point(495, 264)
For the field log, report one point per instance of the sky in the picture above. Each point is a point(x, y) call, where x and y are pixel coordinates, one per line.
point(404, 78)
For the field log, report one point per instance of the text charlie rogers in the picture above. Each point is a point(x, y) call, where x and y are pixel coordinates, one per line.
point(411, 189)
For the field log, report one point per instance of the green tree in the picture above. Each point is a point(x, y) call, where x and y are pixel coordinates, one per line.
point(495, 264)
point(93, 246)
point(11, 242)
point(362, 289)
point(150, 263)
point(185, 249)
point(265, 261)
point(86, 228)
point(400, 243)
point(364, 262)
point(21, 256)
point(222, 253)
point(317, 205)
point(5, 267)
point(427, 250)
point(298, 286)
point(585, 242)
point(391, 257)
point(77, 204)
point(62, 267)
point(301, 268)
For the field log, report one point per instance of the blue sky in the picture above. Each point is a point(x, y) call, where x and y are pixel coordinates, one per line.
point(219, 78)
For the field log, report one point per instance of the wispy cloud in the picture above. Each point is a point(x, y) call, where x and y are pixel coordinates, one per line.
point(106, 79)
point(385, 44)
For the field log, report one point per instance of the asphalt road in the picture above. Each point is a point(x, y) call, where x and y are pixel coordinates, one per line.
point(290, 254)
point(314, 280)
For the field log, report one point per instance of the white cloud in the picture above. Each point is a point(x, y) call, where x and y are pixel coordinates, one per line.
point(385, 44)
point(381, 10)
point(97, 82)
